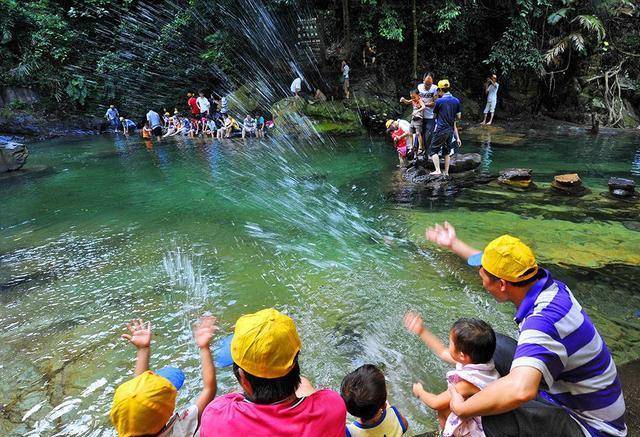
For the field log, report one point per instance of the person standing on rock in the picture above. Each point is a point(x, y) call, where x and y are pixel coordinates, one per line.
point(113, 116)
point(491, 90)
point(203, 104)
point(155, 123)
point(344, 78)
point(559, 377)
point(447, 110)
point(193, 105)
point(429, 93)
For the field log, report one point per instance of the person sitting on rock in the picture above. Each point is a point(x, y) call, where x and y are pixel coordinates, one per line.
point(365, 393)
point(399, 137)
point(447, 110)
point(559, 378)
point(275, 400)
point(145, 404)
point(249, 126)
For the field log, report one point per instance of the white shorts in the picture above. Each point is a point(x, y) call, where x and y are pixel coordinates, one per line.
point(491, 106)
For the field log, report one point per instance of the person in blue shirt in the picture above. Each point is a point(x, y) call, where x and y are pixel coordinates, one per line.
point(128, 126)
point(447, 111)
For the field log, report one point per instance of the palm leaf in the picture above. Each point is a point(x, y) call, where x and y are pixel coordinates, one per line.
point(592, 24)
point(553, 55)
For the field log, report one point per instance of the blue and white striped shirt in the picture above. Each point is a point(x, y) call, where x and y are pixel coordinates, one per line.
point(558, 338)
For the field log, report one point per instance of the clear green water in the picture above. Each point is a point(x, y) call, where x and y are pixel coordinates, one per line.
point(323, 232)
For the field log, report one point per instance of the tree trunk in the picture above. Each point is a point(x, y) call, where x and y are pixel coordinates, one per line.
point(415, 39)
point(347, 29)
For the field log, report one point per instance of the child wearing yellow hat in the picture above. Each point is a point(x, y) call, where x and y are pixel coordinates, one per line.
point(144, 405)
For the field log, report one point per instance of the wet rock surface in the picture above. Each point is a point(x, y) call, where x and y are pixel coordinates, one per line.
point(516, 177)
point(568, 184)
point(41, 128)
point(12, 156)
point(620, 187)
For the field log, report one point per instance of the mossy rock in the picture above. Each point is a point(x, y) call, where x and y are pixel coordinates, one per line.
point(328, 118)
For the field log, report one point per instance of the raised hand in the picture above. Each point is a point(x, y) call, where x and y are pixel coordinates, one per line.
point(443, 235)
point(418, 389)
point(413, 323)
point(139, 334)
point(203, 331)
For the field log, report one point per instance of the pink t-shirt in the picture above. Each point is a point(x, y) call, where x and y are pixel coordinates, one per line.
point(322, 413)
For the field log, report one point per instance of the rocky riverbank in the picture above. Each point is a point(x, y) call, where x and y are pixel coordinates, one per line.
point(19, 125)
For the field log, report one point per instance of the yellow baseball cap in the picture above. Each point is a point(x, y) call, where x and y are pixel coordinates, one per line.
point(507, 258)
point(265, 343)
point(143, 405)
point(444, 84)
point(389, 123)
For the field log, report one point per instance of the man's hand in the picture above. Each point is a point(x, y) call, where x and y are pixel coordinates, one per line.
point(203, 331)
point(418, 389)
point(459, 141)
point(413, 323)
point(443, 235)
point(140, 334)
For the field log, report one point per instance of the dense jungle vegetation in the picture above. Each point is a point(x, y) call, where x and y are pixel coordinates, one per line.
point(566, 58)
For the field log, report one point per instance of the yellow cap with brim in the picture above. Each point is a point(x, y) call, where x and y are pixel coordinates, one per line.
point(265, 343)
point(143, 405)
point(444, 84)
point(389, 123)
point(507, 258)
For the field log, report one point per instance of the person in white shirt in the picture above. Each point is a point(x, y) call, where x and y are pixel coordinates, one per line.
point(203, 103)
point(296, 86)
point(429, 93)
point(491, 90)
point(344, 69)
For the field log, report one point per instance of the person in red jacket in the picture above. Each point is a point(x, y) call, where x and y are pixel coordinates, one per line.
point(193, 105)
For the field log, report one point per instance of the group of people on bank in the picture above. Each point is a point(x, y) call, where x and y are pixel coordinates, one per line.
point(557, 379)
point(433, 128)
point(200, 120)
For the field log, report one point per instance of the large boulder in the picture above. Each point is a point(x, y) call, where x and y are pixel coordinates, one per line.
point(459, 163)
point(12, 156)
point(568, 184)
point(26, 96)
point(620, 187)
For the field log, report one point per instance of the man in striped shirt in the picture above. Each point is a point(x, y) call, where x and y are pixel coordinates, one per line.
point(563, 381)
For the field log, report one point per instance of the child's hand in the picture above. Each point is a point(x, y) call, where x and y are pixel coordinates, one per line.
point(140, 335)
point(413, 323)
point(417, 389)
point(204, 330)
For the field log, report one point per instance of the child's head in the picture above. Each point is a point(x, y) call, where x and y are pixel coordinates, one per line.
point(415, 94)
point(364, 391)
point(144, 404)
point(472, 341)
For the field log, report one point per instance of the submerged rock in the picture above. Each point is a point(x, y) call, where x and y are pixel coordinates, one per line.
point(515, 177)
point(568, 184)
point(620, 187)
point(12, 156)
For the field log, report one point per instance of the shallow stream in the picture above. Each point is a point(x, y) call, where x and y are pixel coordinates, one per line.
point(117, 228)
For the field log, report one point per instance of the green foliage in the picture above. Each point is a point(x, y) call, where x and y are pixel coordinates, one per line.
point(77, 90)
point(391, 26)
point(447, 15)
point(516, 50)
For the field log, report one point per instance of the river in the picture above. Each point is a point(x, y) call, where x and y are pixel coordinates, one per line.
point(325, 232)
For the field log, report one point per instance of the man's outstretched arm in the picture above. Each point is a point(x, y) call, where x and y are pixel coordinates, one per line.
point(445, 236)
point(505, 394)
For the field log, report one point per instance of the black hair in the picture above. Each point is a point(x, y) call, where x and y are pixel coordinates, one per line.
point(270, 390)
point(364, 391)
point(428, 73)
point(475, 338)
point(522, 283)
point(415, 91)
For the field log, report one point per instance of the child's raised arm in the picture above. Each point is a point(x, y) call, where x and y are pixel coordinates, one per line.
point(203, 332)
point(140, 337)
point(414, 324)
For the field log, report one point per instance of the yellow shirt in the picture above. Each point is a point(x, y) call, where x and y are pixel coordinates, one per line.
point(389, 425)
